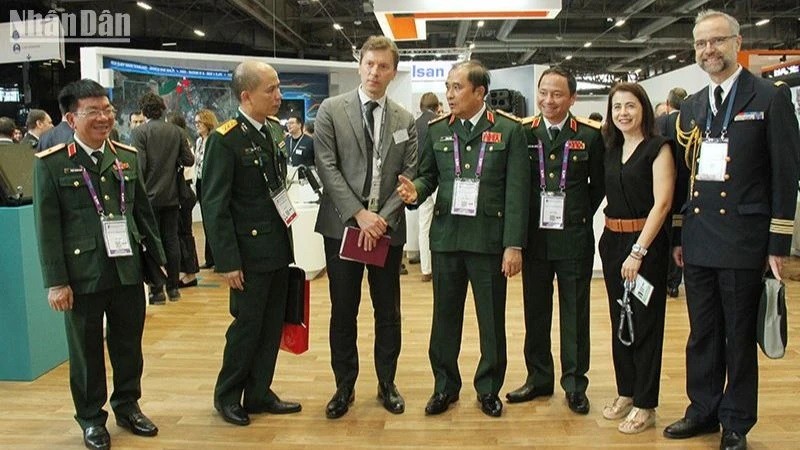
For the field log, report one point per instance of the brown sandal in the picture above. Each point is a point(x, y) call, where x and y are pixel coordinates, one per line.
point(637, 421)
point(618, 409)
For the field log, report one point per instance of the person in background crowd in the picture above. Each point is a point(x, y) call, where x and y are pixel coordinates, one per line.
point(59, 134)
point(205, 121)
point(163, 147)
point(428, 105)
point(299, 145)
point(189, 265)
point(38, 123)
point(640, 178)
point(309, 129)
point(16, 135)
point(596, 116)
point(665, 126)
point(736, 222)
point(91, 261)
point(136, 119)
point(660, 109)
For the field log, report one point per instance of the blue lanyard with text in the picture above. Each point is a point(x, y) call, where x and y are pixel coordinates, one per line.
point(457, 157)
point(728, 110)
point(562, 185)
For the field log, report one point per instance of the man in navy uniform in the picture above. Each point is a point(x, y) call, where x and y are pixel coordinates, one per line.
point(741, 140)
point(92, 218)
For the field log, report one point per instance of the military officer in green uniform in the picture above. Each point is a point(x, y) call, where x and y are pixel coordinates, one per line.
point(478, 159)
point(92, 218)
point(567, 163)
point(247, 216)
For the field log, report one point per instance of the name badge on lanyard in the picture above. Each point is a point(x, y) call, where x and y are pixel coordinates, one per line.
point(284, 206)
point(713, 161)
point(115, 231)
point(552, 204)
point(465, 190)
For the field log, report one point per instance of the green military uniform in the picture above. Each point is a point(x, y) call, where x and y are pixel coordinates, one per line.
point(568, 253)
point(470, 249)
point(73, 252)
point(246, 233)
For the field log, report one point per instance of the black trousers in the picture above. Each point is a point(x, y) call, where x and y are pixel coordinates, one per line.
point(209, 257)
point(637, 367)
point(167, 220)
point(345, 279)
point(253, 339)
point(723, 307)
point(124, 308)
point(188, 249)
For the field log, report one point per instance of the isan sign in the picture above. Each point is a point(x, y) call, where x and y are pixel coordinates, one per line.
point(428, 70)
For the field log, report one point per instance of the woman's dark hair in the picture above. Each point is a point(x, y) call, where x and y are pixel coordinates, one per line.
point(611, 134)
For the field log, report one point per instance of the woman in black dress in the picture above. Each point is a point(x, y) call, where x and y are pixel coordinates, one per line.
point(640, 177)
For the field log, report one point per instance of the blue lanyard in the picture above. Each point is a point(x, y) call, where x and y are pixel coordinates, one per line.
point(457, 157)
point(562, 184)
point(728, 111)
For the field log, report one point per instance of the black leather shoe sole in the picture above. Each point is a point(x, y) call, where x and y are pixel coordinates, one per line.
point(682, 430)
point(526, 394)
point(277, 408)
point(148, 430)
point(234, 414)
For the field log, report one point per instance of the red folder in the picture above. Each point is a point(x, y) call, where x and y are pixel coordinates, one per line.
point(352, 252)
point(294, 336)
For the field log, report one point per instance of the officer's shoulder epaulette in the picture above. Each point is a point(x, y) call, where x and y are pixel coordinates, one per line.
point(779, 83)
point(125, 146)
point(527, 120)
point(438, 119)
point(274, 119)
point(589, 122)
point(50, 150)
point(227, 126)
point(507, 115)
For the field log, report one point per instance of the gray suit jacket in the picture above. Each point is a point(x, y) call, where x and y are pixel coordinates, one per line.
point(162, 147)
point(342, 164)
point(60, 134)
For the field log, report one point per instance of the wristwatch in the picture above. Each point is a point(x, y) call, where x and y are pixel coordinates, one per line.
point(638, 249)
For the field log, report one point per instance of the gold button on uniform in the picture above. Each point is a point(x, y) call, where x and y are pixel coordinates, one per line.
point(469, 148)
point(467, 166)
point(727, 176)
point(126, 178)
point(76, 183)
point(77, 251)
point(695, 193)
point(106, 197)
point(111, 215)
point(499, 213)
point(254, 232)
point(552, 156)
point(103, 179)
point(574, 158)
point(723, 194)
point(552, 175)
point(722, 211)
point(697, 210)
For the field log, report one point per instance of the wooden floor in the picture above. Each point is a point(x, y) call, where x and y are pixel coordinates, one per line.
point(183, 347)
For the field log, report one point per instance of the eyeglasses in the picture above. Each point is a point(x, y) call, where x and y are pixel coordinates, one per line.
point(714, 42)
point(95, 113)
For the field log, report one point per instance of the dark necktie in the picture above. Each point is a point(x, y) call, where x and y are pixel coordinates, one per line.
point(718, 97)
point(553, 132)
point(369, 129)
point(264, 131)
point(98, 156)
point(468, 126)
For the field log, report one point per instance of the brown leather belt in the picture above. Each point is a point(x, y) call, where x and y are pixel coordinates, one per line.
point(625, 225)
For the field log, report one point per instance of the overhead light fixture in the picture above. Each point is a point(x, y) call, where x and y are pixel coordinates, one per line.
point(481, 23)
point(169, 44)
point(670, 57)
point(568, 57)
point(762, 22)
point(337, 27)
point(619, 23)
point(199, 32)
point(144, 6)
point(587, 45)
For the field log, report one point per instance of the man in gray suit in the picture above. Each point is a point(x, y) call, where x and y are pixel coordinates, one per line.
point(59, 134)
point(363, 141)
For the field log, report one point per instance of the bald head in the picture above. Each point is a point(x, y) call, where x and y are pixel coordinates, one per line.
point(257, 87)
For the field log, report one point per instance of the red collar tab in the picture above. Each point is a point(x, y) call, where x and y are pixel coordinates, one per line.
point(71, 150)
point(536, 121)
point(573, 124)
point(452, 119)
point(490, 116)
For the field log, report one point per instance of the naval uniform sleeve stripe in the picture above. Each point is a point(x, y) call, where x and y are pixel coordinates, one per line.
point(677, 220)
point(781, 230)
point(782, 222)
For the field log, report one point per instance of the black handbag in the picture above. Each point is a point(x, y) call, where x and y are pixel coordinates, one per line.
point(296, 298)
point(772, 324)
point(152, 273)
point(186, 196)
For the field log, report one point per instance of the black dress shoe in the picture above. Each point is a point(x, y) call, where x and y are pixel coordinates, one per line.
point(158, 298)
point(686, 428)
point(439, 402)
point(578, 402)
point(672, 291)
point(192, 283)
point(527, 393)
point(97, 438)
point(491, 405)
point(732, 440)
point(275, 406)
point(340, 403)
point(138, 424)
point(234, 414)
point(174, 295)
point(392, 400)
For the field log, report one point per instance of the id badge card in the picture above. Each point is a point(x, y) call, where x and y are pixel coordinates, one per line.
point(465, 197)
point(115, 235)
point(713, 161)
point(643, 289)
point(551, 210)
point(285, 208)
